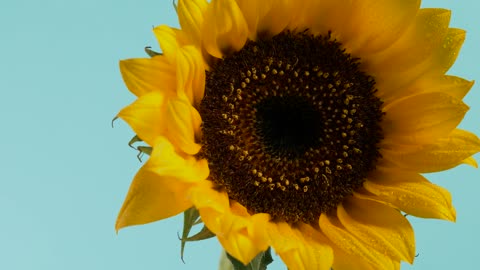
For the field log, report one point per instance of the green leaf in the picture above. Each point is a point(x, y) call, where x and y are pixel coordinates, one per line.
point(190, 216)
point(203, 234)
point(142, 150)
point(198, 221)
point(145, 149)
point(151, 52)
point(260, 262)
point(134, 140)
point(114, 119)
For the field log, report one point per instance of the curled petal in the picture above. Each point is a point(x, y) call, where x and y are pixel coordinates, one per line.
point(161, 187)
point(257, 228)
point(224, 28)
point(238, 243)
point(470, 161)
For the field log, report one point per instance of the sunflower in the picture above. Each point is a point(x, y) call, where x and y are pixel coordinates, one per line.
point(304, 126)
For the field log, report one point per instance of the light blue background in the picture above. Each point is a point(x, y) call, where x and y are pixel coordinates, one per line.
point(64, 171)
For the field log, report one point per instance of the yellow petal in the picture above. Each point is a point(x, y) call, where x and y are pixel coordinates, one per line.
point(145, 116)
point(182, 124)
point(257, 228)
point(410, 57)
point(351, 245)
point(196, 123)
point(422, 118)
point(154, 114)
point(160, 188)
point(277, 14)
point(416, 44)
point(454, 86)
point(321, 17)
point(191, 16)
point(238, 243)
point(409, 192)
point(204, 196)
point(143, 75)
point(268, 17)
point(167, 39)
point(439, 61)
point(442, 154)
point(381, 227)
point(470, 161)
point(375, 25)
point(343, 261)
point(282, 237)
point(186, 59)
point(224, 29)
point(241, 236)
point(251, 11)
point(191, 74)
point(300, 249)
point(449, 50)
point(238, 209)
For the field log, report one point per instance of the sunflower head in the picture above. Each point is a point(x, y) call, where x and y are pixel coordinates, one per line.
point(302, 126)
point(292, 120)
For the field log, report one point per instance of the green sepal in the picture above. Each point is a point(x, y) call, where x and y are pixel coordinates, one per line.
point(203, 234)
point(142, 150)
point(151, 52)
point(198, 221)
point(113, 120)
point(190, 217)
point(260, 262)
point(145, 149)
point(134, 140)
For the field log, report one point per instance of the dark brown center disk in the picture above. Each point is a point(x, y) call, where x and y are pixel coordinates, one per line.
point(290, 126)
